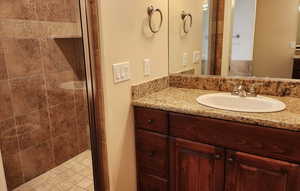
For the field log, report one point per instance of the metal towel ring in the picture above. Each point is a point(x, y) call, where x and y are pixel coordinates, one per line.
point(151, 11)
point(185, 17)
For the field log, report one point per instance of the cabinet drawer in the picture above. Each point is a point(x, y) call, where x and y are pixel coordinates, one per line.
point(152, 153)
point(152, 183)
point(150, 119)
point(269, 142)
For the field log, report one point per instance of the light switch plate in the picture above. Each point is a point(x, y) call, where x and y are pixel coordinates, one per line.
point(121, 72)
point(147, 67)
point(185, 59)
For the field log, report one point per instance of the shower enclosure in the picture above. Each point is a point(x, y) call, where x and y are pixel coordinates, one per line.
point(44, 115)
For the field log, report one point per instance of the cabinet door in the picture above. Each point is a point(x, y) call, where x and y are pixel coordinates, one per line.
point(195, 166)
point(245, 172)
point(152, 183)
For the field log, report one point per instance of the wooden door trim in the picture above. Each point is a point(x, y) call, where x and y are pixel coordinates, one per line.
point(90, 24)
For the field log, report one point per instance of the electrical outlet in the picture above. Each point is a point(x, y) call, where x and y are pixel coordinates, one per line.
point(185, 59)
point(196, 57)
point(147, 67)
point(121, 72)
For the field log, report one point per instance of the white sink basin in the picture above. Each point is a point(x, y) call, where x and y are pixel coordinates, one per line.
point(226, 101)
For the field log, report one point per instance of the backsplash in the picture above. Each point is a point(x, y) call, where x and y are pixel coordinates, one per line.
point(145, 88)
point(266, 86)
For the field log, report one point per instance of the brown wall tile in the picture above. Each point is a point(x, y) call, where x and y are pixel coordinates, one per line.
point(33, 129)
point(56, 93)
point(50, 10)
point(82, 113)
point(8, 137)
point(22, 57)
point(56, 10)
point(37, 160)
point(17, 9)
point(3, 70)
point(6, 110)
point(42, 10)
point(65, 147)
point(72, 10)
point(63, 119)
point(13, 170)
point(58, 55)
point(28, 94)
point(83, 139)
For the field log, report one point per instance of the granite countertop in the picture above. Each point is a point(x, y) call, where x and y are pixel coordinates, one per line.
point(184, 101)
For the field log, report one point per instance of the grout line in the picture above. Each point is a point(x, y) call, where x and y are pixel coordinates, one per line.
point(47, 100)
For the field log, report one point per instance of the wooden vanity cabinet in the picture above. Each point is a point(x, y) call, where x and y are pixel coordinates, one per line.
point(192, 153)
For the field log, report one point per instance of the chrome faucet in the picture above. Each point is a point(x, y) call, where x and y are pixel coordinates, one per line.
point(240, 90)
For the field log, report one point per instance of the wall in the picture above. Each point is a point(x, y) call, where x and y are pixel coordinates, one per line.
point(180, 42)
point(41, 123)
point(125, 37)
point(276, 26)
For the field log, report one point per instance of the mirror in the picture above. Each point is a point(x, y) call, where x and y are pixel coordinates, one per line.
point(252, 38)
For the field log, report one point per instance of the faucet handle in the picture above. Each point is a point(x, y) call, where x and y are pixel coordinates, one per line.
point(235, 90)
point(252, 89)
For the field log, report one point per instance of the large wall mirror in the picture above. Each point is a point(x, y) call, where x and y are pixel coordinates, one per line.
point(252, 38)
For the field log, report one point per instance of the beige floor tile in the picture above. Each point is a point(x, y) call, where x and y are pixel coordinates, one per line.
point(90, 188)
point(85, 183)
point(76, 188)
point(73, 175)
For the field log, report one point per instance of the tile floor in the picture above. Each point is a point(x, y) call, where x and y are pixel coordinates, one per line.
point(73, 175)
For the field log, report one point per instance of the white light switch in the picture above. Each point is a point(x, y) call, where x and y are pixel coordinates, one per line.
point(185, 59)
point(196, 57)
point(147, 66)
point(121, 72)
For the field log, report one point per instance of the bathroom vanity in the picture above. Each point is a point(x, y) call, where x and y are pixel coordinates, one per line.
point(178, 149)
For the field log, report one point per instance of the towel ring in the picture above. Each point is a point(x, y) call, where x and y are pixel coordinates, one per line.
point(185, 17)
point(151, 11)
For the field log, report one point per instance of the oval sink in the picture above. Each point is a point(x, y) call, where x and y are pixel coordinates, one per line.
point(226, 101)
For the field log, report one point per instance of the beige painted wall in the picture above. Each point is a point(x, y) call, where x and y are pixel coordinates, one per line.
point(126, 38)
point(180, 42)
point(276, 26)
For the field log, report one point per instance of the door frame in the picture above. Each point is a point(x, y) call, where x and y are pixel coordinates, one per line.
point(90, 25)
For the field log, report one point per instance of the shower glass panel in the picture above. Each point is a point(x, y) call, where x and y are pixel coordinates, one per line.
point(44, 117)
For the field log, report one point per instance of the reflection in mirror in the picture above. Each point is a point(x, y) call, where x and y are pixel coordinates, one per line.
point(192, 36)
point(253, 38)
point(264, 38)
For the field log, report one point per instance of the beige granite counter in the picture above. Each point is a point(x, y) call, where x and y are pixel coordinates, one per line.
point(184, 101)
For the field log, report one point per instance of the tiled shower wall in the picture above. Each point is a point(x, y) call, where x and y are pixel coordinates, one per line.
point(41, 123)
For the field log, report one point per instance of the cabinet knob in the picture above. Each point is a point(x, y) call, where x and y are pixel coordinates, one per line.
point(230, 159)
point(150, 121)
point(151, 154)
point(218, 156)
